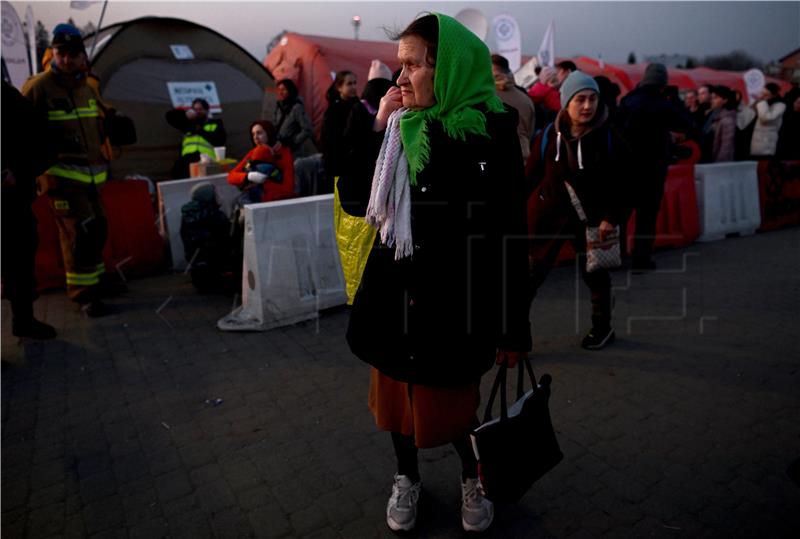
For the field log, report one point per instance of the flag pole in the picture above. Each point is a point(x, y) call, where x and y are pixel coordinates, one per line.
point(99, 26)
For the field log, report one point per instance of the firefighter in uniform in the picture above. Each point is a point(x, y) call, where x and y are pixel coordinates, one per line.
point(200, 135)
point(73, 183)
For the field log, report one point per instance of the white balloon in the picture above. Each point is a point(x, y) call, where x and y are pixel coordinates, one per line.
point(475, 21)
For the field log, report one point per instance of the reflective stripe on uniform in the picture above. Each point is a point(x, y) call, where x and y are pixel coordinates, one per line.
point(85, 279)
point(81, 174)
point(196, 143)
point(80, 112)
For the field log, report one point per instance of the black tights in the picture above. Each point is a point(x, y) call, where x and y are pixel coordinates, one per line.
point(408, 465)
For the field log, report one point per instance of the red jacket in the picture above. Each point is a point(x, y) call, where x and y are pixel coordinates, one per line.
point(282, 159)
point(546, 96)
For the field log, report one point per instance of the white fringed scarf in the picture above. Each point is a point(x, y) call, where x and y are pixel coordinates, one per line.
point(389, 208)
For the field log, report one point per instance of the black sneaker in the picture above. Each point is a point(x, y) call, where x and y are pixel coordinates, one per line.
point(33, 329)
point(96, 309)
point(598, 338)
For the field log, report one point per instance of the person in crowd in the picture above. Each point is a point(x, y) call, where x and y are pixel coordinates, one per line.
point(26, 154)
point(699, 115)
point(745, 123)
point(443, 293)
point(545, 98)
point(581, 148)
point(563, 70)
point(647, 120)
point(73, 183)
point(354, 236)
point(509, 94)
point(206, 235)
point(291, 120)
point(696, 114)
point(201, 134)
point(358, 131)
point(690, 100)
point(609, 93)
point(267, 171)
point(342, 95)
point(769, 116)
point(789, 137)
point(719, 133)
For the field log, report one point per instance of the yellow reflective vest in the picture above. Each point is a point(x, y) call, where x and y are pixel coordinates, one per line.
point(75, 122)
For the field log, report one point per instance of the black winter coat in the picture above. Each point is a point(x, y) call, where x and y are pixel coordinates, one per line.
point(438, 317)
point(646, 119)
point(602, 185)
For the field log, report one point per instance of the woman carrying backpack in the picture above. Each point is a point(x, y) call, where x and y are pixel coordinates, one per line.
point(580, 149)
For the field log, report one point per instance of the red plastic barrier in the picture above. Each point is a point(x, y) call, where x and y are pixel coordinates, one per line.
point(678, 223)
point(134, 246)
point(779, 194)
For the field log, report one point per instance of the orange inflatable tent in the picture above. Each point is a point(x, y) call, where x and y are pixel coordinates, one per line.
point(312, 62)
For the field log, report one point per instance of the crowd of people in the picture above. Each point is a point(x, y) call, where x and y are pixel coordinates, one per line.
point(473, 183)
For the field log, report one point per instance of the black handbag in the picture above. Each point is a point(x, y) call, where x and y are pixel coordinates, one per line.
point(520, 446)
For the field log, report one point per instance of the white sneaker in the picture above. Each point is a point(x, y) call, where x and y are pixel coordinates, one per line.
point(401, 511)
point(477, 512)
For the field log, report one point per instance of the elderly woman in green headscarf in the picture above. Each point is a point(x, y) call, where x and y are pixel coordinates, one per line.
point(444, 293)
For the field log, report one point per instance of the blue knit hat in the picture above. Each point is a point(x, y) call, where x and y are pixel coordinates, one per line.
point(574, 83)
point(67, 36)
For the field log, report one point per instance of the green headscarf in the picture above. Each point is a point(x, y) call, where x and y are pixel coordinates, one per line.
point(463, 80)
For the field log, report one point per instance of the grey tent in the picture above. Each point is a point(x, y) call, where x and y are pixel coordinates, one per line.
point(136, 59)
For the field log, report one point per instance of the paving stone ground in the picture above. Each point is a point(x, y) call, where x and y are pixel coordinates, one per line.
point(683, 428)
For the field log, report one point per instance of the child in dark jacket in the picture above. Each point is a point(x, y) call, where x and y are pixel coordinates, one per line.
point(206, 235)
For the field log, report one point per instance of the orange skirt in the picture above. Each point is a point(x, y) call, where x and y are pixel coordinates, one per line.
point(433, 415)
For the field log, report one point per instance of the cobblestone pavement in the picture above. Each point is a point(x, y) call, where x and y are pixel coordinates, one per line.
point(683, 428)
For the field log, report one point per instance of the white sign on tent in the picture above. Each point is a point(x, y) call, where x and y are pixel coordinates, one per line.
point(182, 52)
point(505, 31)
point(15, 52)
point(183, 93)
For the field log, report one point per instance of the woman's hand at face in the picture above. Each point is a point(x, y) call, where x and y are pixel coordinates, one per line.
point(605, 229)
point(390, 102)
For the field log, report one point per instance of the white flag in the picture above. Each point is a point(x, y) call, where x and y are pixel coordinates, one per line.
point(15, 53)
point(505, 31)
point(83, 4)
point(547, 50)
point(31, 40)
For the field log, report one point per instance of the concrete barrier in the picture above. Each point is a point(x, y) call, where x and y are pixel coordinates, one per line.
point(727, 199)
point(291, 264)
point(174, 194)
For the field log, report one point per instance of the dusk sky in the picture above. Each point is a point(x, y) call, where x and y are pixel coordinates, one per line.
point(766, 30)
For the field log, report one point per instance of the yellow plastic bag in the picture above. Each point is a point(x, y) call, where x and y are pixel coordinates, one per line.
point(354, 238)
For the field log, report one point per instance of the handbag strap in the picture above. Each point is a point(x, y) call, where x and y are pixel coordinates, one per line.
point(576, 202)
point(521, 381)
point(500, 383)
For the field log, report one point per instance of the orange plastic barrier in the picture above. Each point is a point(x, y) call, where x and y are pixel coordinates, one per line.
point(678, 223)
point(779, 193)
point(134, 246)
